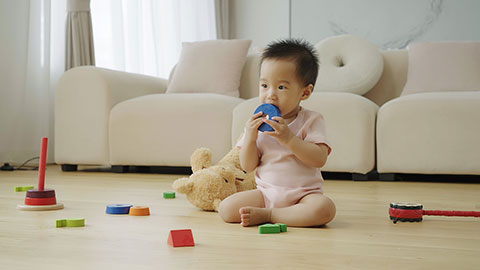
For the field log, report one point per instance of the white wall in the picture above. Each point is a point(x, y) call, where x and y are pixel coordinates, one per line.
point(387, 23)
point(259, 20)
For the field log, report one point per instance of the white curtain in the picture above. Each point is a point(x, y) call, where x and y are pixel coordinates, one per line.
point(79, 50)
point(222, 18)
point(33, 58)
point(145, 36)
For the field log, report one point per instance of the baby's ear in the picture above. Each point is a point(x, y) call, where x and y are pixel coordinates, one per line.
point(307, 91)
point(201, 159)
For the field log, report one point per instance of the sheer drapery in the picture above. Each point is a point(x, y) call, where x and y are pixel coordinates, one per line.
point(33, 58)
point(145, 36)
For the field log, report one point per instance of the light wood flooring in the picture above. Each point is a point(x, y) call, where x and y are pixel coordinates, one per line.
point(360, 237)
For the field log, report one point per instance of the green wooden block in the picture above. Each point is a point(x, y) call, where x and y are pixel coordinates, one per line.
point(75, 222)
point(70, 222)
point(61, 223)
point(283, 227)
point(25, 188)
point(168, 195)
point(269, 228)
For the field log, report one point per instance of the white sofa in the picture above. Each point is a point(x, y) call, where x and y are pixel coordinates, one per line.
point(105, 117)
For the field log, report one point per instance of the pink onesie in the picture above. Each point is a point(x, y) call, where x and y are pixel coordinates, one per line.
point(281, 176)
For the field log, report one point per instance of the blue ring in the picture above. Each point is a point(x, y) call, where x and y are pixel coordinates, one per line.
point(270, 110)
point(118, 209)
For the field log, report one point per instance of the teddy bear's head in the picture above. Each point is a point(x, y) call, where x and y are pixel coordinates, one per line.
point(207, 187)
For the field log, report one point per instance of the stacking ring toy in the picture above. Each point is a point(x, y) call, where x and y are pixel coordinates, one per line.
point(118, 209)
point(414, 212)
point(271, 111)
point(139, 211)
point(40, 199)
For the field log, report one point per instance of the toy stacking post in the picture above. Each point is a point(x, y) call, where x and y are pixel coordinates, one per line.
point(41, 199)
point(41, 165)
point(414, 212)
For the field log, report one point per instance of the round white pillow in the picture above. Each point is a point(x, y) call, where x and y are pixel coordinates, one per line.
point(348, 64)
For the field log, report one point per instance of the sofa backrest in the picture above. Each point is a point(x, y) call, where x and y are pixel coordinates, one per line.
point(394, 77)
point(389, 86)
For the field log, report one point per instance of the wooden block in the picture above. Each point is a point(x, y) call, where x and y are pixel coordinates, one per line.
point(70, 222)
point(139, 211)
point(61, 223)
point(181, 238)
point(168, 195)
point(75, 222)
point(24, 188)
point(283, 227)
point(269, 228)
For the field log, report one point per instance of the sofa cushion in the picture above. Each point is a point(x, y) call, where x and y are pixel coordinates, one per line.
point(213, 66)
point(443, 66)
point(348, 64)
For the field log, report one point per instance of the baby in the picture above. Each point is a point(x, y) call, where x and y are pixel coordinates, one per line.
point(288, 159)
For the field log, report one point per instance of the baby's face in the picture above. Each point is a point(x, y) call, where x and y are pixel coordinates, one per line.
point(279, 86)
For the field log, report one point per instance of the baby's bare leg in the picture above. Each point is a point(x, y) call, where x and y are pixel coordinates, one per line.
point(230, 206)
point(312, 210)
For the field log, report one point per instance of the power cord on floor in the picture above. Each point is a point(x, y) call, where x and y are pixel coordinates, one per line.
point(7, 167)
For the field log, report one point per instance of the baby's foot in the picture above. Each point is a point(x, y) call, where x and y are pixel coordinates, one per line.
point(250, 216)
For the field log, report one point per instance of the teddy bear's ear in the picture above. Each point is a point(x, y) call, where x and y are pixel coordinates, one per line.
point(232, 158)
point(183, 185)
point(201, 159)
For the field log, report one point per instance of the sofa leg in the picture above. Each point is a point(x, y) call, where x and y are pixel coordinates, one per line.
point(69, 168)
point(372, 175)
point(388, 177)
point(119, 169)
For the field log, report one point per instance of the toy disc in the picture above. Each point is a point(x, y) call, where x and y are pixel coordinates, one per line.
point(271, 111)
point(46, 193)
point(40, 207)
point(40, 201)
point(139, 211)
point(118, 209)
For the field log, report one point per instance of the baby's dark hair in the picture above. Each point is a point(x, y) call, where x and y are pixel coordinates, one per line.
point(299, 50)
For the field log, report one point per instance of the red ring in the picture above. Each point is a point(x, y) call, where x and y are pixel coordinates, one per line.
point(40, 201)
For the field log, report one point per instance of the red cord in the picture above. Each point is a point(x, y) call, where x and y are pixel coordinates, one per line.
point(451, 213)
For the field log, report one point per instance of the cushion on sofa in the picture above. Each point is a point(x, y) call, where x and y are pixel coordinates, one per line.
point(443, 66)
point(348, 64)
point(212, 66)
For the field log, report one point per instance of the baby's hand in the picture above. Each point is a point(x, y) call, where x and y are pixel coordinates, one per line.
point(251, 127)
point(280, 130)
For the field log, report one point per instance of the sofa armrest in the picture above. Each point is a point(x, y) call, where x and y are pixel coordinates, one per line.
point(430, 133)
point(84, 97)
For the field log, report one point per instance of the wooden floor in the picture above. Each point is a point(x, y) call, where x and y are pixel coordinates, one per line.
point(360, 237)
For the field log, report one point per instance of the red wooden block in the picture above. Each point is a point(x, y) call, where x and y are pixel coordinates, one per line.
point(181, 238)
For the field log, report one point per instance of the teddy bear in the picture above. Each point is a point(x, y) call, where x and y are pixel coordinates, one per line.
point(209, 185)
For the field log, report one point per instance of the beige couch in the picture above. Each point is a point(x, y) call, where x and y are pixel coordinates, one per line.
point(105, 117)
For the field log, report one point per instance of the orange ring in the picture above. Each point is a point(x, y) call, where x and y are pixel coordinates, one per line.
point(139, 211)
point(40, 201)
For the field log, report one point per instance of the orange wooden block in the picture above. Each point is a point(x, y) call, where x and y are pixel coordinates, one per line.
point(139, 211)
point(40, 201)
point(181, 238)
